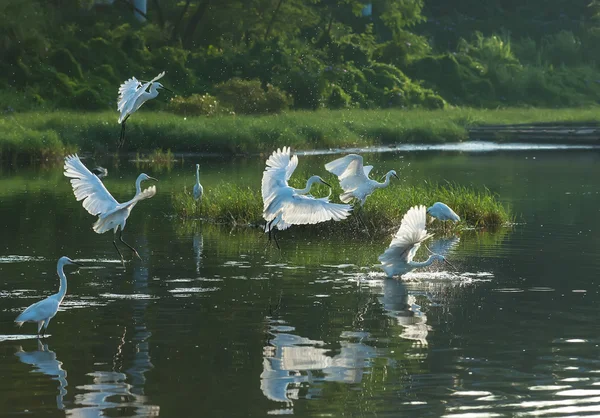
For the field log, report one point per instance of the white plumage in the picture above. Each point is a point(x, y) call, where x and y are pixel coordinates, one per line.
point(398, 258)
point(88, 188)
point(132, 95)
point(354, 178)
point(442, 212)
point(43, 311)
point(284, 205)
point(198, 189)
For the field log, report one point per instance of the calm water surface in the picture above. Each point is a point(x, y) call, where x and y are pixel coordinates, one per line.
point(209, 323)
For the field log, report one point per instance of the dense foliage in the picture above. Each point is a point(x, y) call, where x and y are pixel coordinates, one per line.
point(265, 56)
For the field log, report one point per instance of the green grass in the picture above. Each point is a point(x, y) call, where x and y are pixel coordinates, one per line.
point(42, 135)
point(231, 204)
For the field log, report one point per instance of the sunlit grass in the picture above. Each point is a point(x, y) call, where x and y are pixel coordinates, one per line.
point(231, 204)
point(51, 133)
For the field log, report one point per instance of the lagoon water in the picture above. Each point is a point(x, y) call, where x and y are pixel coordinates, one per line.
point(211, 323)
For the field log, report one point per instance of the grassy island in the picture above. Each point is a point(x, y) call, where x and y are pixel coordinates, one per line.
point(235, 205)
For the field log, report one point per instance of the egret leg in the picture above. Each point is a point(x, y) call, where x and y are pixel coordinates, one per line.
point(122, 136)
point(357, 213)
point(132, 249)
point(40, 324)
point(117, 248)
point(275, 238)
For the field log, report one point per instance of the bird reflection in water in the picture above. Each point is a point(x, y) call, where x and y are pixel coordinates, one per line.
point(290, 362)
point(116, 390)
point(198, 248)
point(44, 360)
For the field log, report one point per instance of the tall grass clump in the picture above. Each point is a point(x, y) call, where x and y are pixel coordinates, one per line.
point(232, 204)
point(226, 203)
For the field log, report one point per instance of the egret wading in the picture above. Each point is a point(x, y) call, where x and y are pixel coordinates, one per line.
point(285, 206)
point(442, 212)
point(354, 180)
point(132, 95)
point(398, 258)
point(44, 310)
point(198, 189)
point(98, 201)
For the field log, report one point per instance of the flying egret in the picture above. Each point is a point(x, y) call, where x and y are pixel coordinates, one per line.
point(98, 201)
point(198, 189)
point(442, 212)
point(398, 258)
point(285, 206)
point(132, 95)
point(43, 311)
point(354, 179)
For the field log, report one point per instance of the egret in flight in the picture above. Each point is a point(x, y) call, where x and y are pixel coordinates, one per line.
point(43, 311)
point(198, 189)
point(285, 206)
point(98, 201)
point(355, 181)
point(398, 258)
point(132, 95)
point(442, 212)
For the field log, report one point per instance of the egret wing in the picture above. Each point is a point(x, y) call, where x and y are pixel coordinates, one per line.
point(158, 77)
point(367, 169)
point(301, 209)
point(127, 91)
point(408, 239)
point(146, 194)
point(88, 187)
point(38, 311)
point(279, 169)
point(350, 171)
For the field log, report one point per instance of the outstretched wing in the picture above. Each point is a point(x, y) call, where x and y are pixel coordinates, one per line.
point(302, 209)
point(146, 194)
point(407, 240)
point(88, 187)
point(279, 169)
point(350, 171)
point(158, 77)
point(127, 91)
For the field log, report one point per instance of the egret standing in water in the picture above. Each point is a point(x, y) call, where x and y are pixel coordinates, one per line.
point(354, 179)
point(43, 311)
point(132, 95)
point(398, 258)
point(198, 189)
point(442, 212)
point(98, 201)
point(285, 206)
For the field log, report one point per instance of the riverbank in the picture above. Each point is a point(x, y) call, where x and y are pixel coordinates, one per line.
point(53, 134)
point(234, 205)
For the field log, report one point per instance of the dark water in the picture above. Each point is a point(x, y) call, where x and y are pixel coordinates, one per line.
point(209, 323)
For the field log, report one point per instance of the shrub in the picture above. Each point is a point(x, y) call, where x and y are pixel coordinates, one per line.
point(248, 97)
point(195, 105)
point(338, 98)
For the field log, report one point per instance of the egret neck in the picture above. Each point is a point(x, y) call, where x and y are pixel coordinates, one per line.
point(138, 184)
point(309, 183)
point(198, 173)
point(62, 290)
point(386, 183)
point(427, 262)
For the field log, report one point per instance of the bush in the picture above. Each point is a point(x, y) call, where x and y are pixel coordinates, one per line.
point(248, 97)
point(338, 98)
point(195, 105)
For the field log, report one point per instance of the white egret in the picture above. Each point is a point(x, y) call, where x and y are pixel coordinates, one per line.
point(43, 311)
point(354, 179)
point(132, 95)
point(198, 189)
point(398, 258)
point(285, 206)
point(442, 212)
point(98, 201)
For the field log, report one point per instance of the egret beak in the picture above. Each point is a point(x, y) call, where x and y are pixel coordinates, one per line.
point(395, 175)
point(168, 89)
point(152, 178)
point(77, 264)
point(447, 262)
point(326, 184)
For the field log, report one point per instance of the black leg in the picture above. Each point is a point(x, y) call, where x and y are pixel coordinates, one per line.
point(122, 137)
point(275, 237)
point(117, 248)
point(132, 249)
point(357, 213)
